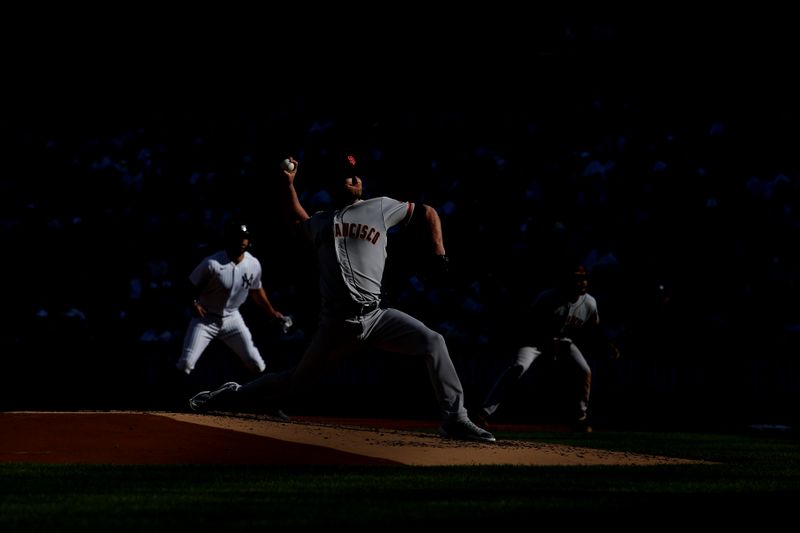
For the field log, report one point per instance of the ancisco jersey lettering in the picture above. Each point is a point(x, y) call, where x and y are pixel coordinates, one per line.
point(356, 231)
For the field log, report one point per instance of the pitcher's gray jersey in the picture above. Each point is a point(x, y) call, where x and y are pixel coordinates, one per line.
point(352, 262)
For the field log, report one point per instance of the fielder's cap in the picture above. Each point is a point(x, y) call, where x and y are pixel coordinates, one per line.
point(571, 273)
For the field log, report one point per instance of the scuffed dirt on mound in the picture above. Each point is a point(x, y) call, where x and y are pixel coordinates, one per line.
point(419, 448)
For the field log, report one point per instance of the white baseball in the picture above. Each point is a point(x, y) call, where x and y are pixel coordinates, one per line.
point(287, 165)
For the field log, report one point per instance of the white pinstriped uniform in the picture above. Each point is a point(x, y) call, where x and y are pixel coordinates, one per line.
point(225, 287)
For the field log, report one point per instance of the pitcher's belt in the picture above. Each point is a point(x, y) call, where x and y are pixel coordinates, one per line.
point(356, 308)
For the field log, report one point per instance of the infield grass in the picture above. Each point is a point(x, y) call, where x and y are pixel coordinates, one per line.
point(755, 477)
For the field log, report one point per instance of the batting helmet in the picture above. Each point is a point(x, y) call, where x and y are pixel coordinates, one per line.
point(236, 230)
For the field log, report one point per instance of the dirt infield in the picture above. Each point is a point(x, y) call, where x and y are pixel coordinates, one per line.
point(188, 438)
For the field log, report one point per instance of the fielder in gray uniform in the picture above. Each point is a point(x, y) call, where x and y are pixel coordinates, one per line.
point(223, 281)
point(565, 321)
point(350, 243)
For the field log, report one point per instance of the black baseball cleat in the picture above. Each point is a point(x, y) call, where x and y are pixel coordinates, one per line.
point(203, 401)
point(465, 430)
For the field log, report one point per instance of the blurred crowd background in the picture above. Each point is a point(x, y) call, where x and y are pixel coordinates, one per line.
point(669, 170)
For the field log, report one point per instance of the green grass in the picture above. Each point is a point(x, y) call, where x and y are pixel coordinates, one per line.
point(755, 477)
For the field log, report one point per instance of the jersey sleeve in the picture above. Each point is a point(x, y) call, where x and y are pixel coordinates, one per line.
point(396, 212)
point(313, 225)
point(200, 273)
point(256, 284)
point(594, 318)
